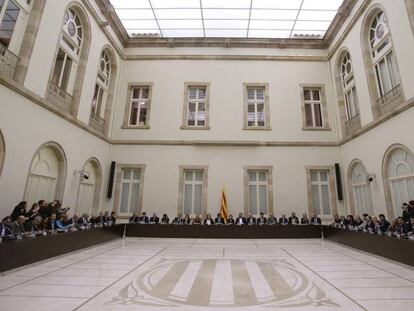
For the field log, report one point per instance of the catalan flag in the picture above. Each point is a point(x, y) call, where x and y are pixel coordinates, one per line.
point(223, 209)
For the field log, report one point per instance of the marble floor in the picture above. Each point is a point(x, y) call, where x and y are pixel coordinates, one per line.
point(198, 274)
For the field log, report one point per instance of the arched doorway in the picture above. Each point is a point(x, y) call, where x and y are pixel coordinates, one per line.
point(361, 199)
point(89, 188)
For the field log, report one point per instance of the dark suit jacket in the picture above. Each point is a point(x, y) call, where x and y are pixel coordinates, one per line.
point(230, 221)
point(211, 221)
point(283, 221)
point(243, 221)
point(219, 221)
point(315, 221)
point(261, 221)
point(165, 220)
point(4, 229)
point(251, 221)
point(16, 228)
point(154, 220)
point(143, 219)
point(293, 220)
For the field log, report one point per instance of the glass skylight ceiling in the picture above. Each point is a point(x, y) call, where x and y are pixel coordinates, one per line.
point(227, 18)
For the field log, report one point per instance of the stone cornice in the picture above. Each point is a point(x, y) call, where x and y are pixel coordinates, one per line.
point(226, 58)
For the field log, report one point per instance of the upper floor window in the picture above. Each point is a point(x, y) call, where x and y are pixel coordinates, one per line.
point(314, 109)
point(383, 57)
point(9, 13)
point(101, 86)
point(68, 55)
point(139, 106)
point(196, 106)
point(349, 88)
point(256, 106)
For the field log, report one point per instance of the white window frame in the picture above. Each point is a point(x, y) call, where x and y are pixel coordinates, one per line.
point(139, 102)
point(197, 101)
point(193, 183)
point(255, 102)
point(358, 172)
point(102, 83)
point(313, 102)
point(3, 12)
point(349, 88)
point(321, 183)
point(257, 183)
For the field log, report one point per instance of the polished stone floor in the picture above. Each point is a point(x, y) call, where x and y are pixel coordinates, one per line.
point(197, 274)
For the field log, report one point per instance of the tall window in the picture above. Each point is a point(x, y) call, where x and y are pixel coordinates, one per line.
point(130, 190)
point(320, 192)
point(101, 86)
point(9, 12)
point(401, 177)
point(140, 97)
point(196, 110)
point(68, 53)
point(256, 112)
point(382, 53)
point(361, 190)
point(193, 191)
point(258, 192)
point(313, 107)
point(348, 84)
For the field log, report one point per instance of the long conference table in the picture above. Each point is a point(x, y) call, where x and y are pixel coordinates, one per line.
point(15, 254)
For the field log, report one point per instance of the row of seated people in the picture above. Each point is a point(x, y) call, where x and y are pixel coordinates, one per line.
point(219, 220)
point(48, 218)
point(401, 227)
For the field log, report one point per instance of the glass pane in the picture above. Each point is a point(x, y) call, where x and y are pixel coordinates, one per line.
point(124, 198)
point(260, 94)
point(188, 175)
point(60, 58)
point(127, 174)
point(386, 85)
point(314, 176)
point(402, 170)
point(316, 95)
point(324, 176)
point(308, 115)
point(136, 174)
point(252, 176)
point(262, 176)
point(201, 93)
point(250, 94)
point(134, 198)
point(188, 194)
point(325, 200)
point(307, 94)
point(134, 114)
point(315, 199)
point(318, 115)
point(252, 200)
point(136, 93)
point(8, 23)
point(198, 175)
point(192, 94)
point(251, 119)
point(392, 69)
point(198, 197)
point(263, 198)
point(143, 114)
point(145, 93)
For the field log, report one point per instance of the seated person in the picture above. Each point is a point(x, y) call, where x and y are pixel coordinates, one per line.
point(19, 210)
point(5, 232)
point(230, 221)
point(143, 219)
point(251, 221)
point(99, 220)
point(293, 219)
point(197, 220)
point(50, 224)
point(261, 220)
point(208, 221)
point(35, 226)
point(112, 219)
point(186, 220)
point(369, 224)
point(410, 229)
point(219, 220)
point(304, 220)
point(64, 223)
point(106, 218)
point(336, 220)
point(83, 221)
point(315, 220)
point(178, 220)
point(17, 227)
point(272, 220)
point(134, 219)
point(343, 222)
point(402, 228)
point(283, 221)
point(384, 225)
point(240, 220)
point(358, 222)
point(154, 219)
point(165, 220)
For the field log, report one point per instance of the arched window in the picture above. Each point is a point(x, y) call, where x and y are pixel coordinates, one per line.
point(89, 188)
point(400, 170)
point(349, 88)
point(67, 58)
point(47, 174)
point(2, 152)
point(101, 86)
point(382, 54)
point(361, 190)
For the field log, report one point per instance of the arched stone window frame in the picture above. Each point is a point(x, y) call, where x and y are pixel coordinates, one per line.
point(349, 126)
point(394, 99)
point(351, 197)
point(66, 102)
point(61, 179)
point(386, 179)
point(103, 125)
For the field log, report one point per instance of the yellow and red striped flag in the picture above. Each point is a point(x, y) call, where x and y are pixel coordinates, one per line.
point(223, 209)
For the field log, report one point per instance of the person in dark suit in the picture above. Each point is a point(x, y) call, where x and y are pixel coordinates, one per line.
point(240, 220)
point(369, 224)
point(19, 210)
point(83, 221)
point(143, 219)
point(134, 218)
point(112, 219)
point(208, 220)
point(17, 226)
point(293, 219)
point(178, 220)
point(154, 219)
point(384, 225)
point(315, 220)
point(5, 232)
point(261, 220)
point(165, 220)
point(251, 221)
point(272, 220)
point(219, 220)
point(230, 221)
point(283, 221)
point(401, 229)
point(35, 225)
point(304, 220)
point(186, 220)
point(106, 218)
point(197, 220)
point(50, 224)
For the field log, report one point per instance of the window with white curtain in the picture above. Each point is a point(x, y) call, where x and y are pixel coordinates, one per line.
point(383, 56)
point(313, 107)
point(193, 191)
point(349, 88)
point(256, 110)
point(9, 12)
point(258, 192)
point(401, 177)
point(196, 109)
point(67, 58)
point(320, 191)
point(140, 101)
point(101, 85)
point(130, 190)
point(361, 190)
